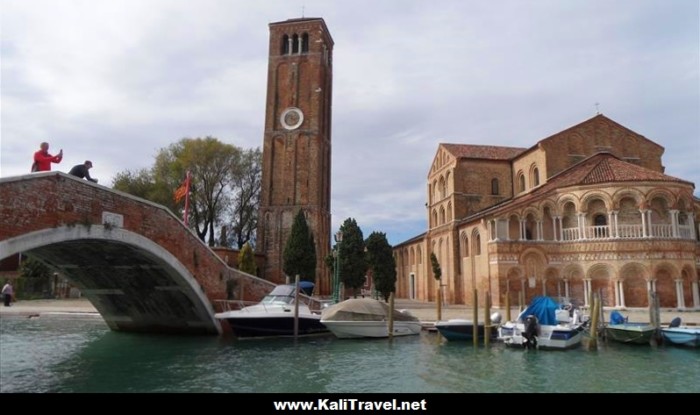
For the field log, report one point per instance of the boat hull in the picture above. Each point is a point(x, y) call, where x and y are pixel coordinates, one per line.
point(630, 333)
point(549, 337)
point(682, 336)
point(274, 326)
point(378, 329)
point(462, 330)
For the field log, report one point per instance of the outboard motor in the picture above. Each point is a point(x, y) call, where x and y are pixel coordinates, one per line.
point(676, 322)
point(530, 332)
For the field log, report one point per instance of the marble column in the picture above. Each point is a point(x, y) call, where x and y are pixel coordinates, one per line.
point(622, 294)
point(616, 285)
point(696, 296)
point(644, 223)
point(674, 223)
point(586, 291)
point(566, 288)
point(680, 298)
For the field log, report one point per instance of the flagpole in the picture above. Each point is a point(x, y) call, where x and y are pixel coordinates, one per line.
point(187, 198)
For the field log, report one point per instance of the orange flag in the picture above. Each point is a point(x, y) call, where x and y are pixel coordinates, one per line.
point(182, 191)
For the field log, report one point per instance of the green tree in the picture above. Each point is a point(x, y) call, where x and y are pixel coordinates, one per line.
point(381, 260)
point(300, 252)
point(35, 277)
point(222, 175)
point(437, 273)
point(246, 180)
point(246, 260)
point(143, 184)
point(209, 162)
point(352, 265)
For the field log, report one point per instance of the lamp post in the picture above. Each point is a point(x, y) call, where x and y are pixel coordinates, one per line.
point(336, 274)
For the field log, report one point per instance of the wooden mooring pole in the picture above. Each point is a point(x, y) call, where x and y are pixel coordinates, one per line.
point(391, 315)
point(475, 322)
point(487, 319)
point(507, 305)
point(593, 343)
point(296, 307)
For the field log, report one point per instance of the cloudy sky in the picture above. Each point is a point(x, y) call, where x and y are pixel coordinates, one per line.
point(114, 81)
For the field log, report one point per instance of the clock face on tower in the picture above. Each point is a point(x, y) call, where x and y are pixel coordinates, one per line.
point(291, 118)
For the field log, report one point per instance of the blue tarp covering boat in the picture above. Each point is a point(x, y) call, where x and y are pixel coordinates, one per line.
point(544, 308)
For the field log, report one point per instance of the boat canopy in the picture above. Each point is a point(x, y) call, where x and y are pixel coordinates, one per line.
point(617, 318)
point(363, 309)
point(287, 290)
point(544, 308)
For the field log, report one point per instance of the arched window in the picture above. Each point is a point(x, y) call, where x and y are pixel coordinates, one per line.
point(521, 183)
point(536, 176)
point(477, 244)
point(442, 216)
point(600, 220)
point(295, 43)
point(305, 43)
point(435, 218)
point(449, 212)
point(284, 50)
point(494, 186)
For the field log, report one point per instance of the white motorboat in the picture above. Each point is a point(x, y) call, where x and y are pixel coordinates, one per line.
point(543, 325)
point(366, 317)
point(681, 335)
point(274, 316)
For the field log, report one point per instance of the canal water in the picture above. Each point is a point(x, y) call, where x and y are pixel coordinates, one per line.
point(80, 354)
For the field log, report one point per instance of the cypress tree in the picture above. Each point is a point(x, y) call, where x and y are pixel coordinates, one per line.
point(352, 264)
point(381, 260)
point(300, 251)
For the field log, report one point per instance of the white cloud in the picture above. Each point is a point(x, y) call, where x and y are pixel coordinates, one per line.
point(115, 81)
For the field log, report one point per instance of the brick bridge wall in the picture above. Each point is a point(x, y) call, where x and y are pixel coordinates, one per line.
point(47, 200)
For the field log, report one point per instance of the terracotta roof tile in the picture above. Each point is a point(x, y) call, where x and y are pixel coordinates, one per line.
point(596, 169)
point(482, 152)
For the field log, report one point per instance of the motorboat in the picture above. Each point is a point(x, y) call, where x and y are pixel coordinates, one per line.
point(681, 335)
point(461, 329)
point(367, 317)
point(623, 331)
point(274, 315)
point(544, 324)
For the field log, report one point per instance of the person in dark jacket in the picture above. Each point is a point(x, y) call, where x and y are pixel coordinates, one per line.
point(82, 171)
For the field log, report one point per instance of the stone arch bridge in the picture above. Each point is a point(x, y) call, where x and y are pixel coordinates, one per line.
point(138, 264)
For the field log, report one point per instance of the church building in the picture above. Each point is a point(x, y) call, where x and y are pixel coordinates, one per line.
point(588, 209)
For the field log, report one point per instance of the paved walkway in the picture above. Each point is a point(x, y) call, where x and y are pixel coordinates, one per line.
point(425, 311)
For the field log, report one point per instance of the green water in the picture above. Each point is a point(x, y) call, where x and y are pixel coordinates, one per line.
point(59, 354)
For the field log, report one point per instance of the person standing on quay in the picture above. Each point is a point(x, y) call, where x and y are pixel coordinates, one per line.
point(7, 293)
point(43, 160)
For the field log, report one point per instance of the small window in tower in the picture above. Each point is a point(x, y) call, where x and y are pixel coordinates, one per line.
point(295, 43)
point(305, 43)
point(494, 186)
point(285, 45)
point(536, 177)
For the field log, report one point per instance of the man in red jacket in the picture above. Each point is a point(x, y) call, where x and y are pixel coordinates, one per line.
point(43, 160)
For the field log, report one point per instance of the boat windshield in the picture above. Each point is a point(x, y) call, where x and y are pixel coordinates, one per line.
point(281, 294)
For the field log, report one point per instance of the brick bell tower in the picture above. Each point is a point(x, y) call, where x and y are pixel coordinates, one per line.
point(297, 143)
